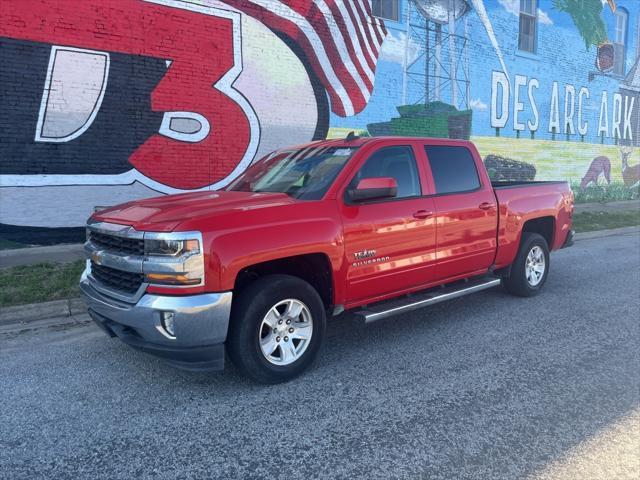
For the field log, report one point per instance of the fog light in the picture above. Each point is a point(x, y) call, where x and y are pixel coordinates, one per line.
point(168, 323)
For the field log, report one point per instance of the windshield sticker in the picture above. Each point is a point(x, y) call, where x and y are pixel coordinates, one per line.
point(343, 151)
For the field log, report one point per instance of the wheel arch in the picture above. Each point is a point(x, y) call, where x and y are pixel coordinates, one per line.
point(314, 268)
point(544, 226)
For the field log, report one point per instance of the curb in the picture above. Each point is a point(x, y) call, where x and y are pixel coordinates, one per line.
point(617, 206)
point(63, 309)
point(607, 233)
point(38, 311)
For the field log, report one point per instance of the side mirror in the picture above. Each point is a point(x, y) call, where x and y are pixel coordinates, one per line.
point(374, 189)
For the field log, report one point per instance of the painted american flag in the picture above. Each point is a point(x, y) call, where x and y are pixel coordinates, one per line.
point(340, 39)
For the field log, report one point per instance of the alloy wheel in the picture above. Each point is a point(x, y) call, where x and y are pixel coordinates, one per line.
point(285, 332)
point(535, 266)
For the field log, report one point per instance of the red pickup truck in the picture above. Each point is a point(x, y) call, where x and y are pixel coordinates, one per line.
point(376, 226)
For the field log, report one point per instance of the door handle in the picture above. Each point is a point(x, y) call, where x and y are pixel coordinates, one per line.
point(485, 206)
point(422, 214)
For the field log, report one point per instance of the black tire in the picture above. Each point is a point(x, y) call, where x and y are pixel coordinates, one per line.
point(517, 283)
point(247, 313)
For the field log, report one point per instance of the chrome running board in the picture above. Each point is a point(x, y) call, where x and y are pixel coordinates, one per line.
point(388, 308)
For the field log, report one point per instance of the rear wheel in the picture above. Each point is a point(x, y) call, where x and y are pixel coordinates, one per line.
point(530, 268)
point(277, 327)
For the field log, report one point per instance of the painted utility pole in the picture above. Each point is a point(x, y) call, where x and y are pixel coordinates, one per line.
point(452, 54)
point(438, 55)
point(405, 62)
point(466, 61)
point(427, 64)
point(638, 39)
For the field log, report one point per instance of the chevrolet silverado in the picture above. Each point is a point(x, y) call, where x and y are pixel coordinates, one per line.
point(375, 226)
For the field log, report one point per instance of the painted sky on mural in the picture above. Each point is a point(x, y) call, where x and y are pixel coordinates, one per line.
point(566, 62)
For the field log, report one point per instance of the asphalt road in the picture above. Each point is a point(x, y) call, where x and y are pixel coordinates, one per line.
point(489, 386)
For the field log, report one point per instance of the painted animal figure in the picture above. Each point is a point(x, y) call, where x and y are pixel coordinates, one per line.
point(599, 165)
point(630, 175)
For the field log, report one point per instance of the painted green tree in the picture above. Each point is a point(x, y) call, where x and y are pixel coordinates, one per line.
point(587, 17)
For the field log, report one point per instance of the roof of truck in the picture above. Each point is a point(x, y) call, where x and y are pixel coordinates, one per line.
point(357, 141)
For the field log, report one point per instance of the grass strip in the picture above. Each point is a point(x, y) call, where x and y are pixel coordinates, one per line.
point(10, 244)
point(41, 282)
point(591, 221)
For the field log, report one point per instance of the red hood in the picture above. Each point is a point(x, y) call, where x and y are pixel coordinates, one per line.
point(165, 213)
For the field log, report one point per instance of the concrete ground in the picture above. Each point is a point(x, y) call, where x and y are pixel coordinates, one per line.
point(484, 387)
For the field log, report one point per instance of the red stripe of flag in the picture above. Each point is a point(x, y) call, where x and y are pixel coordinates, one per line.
point(346, 38)
point(367, 7)
point(318, 21)
point(280, 24)
point(371, 61)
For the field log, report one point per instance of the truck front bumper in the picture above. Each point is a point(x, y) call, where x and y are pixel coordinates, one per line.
point(199, 325)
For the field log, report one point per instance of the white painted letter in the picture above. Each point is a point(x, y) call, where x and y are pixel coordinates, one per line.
point(518, 106)
point(499, 79)
point(582, 127)
point(533, 83)
point(603, 126)
point(628, 111)
point(554, 115)
point(616, 116)
point(569, 91)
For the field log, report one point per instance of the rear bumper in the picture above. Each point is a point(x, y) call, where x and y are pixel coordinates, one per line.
point(200, 325)
point(569, 240)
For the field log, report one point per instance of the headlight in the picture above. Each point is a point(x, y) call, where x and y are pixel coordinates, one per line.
point(173, 259)
point(170, 247)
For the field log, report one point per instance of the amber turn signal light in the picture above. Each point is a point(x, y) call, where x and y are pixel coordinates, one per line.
point(171, 279)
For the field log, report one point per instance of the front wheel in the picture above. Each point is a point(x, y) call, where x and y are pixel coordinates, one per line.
point(530, 268)
point(277, 327)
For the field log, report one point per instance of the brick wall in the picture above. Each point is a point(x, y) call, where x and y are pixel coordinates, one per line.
point(108, 101)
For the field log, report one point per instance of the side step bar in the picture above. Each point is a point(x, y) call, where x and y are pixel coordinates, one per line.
point(388, 308)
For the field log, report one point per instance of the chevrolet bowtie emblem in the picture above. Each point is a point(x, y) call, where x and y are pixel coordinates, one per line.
point(96, 258)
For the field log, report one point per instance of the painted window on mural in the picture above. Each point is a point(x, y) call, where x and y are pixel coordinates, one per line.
point(619, 45)
point(528, 25)
point(388, 9)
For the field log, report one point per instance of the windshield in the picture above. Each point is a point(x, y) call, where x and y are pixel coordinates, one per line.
point(306, 173)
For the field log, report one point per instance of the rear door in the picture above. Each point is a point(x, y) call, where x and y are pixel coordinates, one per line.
point(389, 243)
point(466, 210)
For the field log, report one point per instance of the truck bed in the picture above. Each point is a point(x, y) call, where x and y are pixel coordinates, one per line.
point(519, 202)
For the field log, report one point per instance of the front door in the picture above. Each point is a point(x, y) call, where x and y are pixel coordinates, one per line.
point(389, 243)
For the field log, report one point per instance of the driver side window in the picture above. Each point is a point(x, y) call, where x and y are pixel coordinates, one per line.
point(396, 162)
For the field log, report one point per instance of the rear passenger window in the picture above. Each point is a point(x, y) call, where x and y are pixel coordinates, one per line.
point(453, 169)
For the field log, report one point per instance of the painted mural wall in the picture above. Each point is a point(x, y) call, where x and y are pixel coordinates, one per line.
point(104, 101)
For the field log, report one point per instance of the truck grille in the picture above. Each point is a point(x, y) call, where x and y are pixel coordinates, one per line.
point(116, 244)
point(117, 279)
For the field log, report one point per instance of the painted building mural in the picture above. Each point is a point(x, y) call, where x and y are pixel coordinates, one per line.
point(104, 101)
